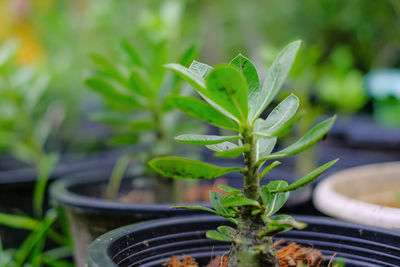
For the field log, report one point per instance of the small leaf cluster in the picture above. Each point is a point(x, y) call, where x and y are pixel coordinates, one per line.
point(135, 91)
point(233, 98)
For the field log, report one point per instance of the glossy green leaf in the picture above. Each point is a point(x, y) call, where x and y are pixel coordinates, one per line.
point(279, 116)
point(268, 168)
point(249, 72)
point(200, 68)
point(216, 201)
point(226, 230)
point(264, 146)
point(233, 153)
point(111, 94)
point(197, 139)
point(182, 168)
point(310, 138)
point(289, 125)
point(289, 220)
point(203, 111)
point(239, 201)
point(132, 53)
point(195, 208)
point(273, 201)
point(227, 88)
point(193, 78)
point(276, 75)
point(218, 236)
point(189, 55)
point(307, 179)
point(228, 188)
point(225, 146)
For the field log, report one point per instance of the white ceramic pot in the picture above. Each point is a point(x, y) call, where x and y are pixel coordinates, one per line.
point(364, 195)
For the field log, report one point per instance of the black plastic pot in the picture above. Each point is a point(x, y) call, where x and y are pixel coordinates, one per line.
point(17, 187)
point(152, 243)
point(90, 216)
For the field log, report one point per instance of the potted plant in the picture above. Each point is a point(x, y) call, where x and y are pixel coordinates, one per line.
point(371, 199)
point(234, 100)
point(142, 122)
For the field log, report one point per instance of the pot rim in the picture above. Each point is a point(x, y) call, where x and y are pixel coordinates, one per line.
point(61, 194)
point(329, 201)
point(100, 248)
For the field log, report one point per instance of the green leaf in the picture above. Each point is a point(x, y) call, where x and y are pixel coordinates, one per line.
point(279, 116)
point(310, 138)
point(124, 139)
point(189, 55)
point(225, 146)
point(306, 179)
point(216, 201)
point(140, 83)
point(193, 78)
point(111, 117)
point(226, 230)
point(112, 95)
point(195, 208)
point(268, 168)
point(239, 201)
point(228, 188)
point(227, 88)
point(264, 146)
point(196, 139)
point(141, 125)
point(200, 68)
point(157, 64)
point(132, 53)
point(182, 168)
point(233, 153)
point(108, 68)
point(276, 75)
point(218, 236)
point(289, 125)
point(18, 221)
point(249, 72)
point(273, 201)
point(35, 237)
point(200, 110)
point(288, 220)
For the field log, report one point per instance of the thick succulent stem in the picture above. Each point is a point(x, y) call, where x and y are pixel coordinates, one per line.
point(248, 248)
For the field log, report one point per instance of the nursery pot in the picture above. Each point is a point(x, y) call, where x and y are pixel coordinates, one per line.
point(17, 185)
point(90, 215)
point(152, 243)
point(364, 195)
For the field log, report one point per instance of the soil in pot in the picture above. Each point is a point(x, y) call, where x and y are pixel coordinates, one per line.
point(152, 243)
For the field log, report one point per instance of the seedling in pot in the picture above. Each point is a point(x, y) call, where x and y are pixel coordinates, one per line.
point(234, 99)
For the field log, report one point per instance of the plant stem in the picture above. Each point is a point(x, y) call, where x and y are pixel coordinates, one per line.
point(248, 248)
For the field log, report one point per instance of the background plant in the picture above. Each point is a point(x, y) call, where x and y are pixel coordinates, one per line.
point(25, 126)
point(135, 88)
point(235, 100)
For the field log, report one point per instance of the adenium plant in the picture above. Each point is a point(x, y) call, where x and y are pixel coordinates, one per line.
point(235, 100)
